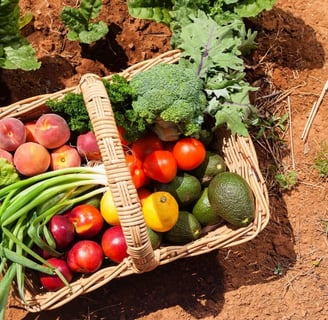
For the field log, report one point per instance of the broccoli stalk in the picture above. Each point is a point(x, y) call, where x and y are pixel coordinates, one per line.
point(170, 99)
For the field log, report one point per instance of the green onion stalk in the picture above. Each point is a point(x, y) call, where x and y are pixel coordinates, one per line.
point(26, 207)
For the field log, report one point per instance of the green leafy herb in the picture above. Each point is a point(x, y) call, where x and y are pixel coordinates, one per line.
point(81, 24)
point(72, 108)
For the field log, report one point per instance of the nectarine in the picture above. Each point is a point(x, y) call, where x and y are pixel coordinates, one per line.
point(7, 155)
point(87, 146)
point(64, 157)
point(12, 133)
point(52, 131)
point(31, 158)
point(30, 131)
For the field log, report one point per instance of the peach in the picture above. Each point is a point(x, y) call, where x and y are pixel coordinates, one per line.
point(87, 146)
point(31, 158)
point(7, 155)
point(52, 130)
point(30, 131)
point(12, 133)
point(64, 157)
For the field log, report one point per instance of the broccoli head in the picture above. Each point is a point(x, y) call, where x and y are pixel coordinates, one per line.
point(172, 93)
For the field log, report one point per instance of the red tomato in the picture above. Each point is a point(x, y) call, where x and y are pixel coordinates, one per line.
point(87, 220)
point(113, 244)
point(137, 173)
point(160, 165)
point(121, 132)
point(189, 153)
point(52, 282)
point(143, 193)
point(148, 143)
point(85, 256)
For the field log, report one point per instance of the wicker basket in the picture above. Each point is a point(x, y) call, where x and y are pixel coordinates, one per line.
point(239, 155)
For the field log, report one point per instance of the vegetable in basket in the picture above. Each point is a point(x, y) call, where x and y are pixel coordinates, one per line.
point(8, 173)
point(26, 207)
point(170, 93)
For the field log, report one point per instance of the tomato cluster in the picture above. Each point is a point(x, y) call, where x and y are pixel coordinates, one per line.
point(149, 158)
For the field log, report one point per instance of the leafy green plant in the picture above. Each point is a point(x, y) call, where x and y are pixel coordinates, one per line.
point(213, 36)
point(278, 270)
point(15, 51)
point(287, 180)
point(269, 127)
point(321, 161)
point(81, 22)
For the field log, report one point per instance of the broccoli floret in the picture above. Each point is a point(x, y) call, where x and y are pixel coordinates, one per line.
point(8, 173)
point(170, 92)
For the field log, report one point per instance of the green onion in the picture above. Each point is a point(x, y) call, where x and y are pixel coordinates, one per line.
point(26, 207)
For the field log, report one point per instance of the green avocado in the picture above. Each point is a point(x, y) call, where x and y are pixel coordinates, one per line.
point(212, 165)
point(232, 198)
point(185, 188)
point(186, 229)
point(204, 212)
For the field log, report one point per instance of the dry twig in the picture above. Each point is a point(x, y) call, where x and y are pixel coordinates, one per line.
point(313, 113)
point(291, 133)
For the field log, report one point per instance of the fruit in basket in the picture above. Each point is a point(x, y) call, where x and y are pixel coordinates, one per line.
point(160, 211)
point(204, 212)
point(30, 131)
point(186, 229)
point(12, 134)
point(51, 130)
point(143, 193)
point(87, 146)
point(6, 155)
point(185, 188)
point(189, 153)
point(31, 158)
point(212, 165)
point(232, 198)
point(145, 145)
point(135, 166)
point(65, 156)
point(155, 238)
point(85, 256)
point(53, 282)
point(87, 220)
point(161, 166)
point(113, 244)
point(108, 209)
point(62, 231)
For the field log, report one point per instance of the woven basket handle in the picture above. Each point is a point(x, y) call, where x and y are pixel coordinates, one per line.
point(125, 197)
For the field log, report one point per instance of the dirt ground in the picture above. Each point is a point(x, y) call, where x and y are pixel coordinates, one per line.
point(282, 274)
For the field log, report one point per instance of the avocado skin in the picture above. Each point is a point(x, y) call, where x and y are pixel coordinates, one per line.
point(232, 198)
